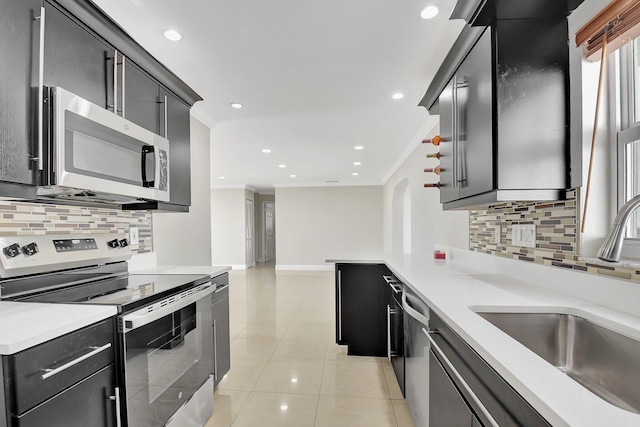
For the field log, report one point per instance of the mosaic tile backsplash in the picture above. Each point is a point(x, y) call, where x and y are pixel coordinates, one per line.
point(31, 218)
point(557, 235)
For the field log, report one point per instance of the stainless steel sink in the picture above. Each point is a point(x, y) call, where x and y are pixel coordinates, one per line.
point(604, 361)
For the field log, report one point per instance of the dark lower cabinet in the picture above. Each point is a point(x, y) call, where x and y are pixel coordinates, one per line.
point(86, 403)
point(465, 391)
point(221, 335)
point(447, 406)
point(69, 381)
point(361, 307)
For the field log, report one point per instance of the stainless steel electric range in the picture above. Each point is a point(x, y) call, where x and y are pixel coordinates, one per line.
point(164, 326)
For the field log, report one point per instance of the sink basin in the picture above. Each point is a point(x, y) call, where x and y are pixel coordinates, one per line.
point(604, 361)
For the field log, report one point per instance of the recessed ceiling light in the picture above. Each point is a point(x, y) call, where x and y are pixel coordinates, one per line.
point(355, 174)
point(358, 147)
point(282, 166)
point(293, 176)
point(429, 12)
point(172, 35)
point(236, 105)
point(284, 407)
point(266, 150)
point(357, 163)
point(221, 177)
point(397, 95)
point(294, 380)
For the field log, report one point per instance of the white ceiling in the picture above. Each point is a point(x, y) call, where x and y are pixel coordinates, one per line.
point(315, 78)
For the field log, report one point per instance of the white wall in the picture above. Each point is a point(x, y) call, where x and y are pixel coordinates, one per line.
point(314, 223)
point(429, 223)
point(228, 227)
point(185, 238)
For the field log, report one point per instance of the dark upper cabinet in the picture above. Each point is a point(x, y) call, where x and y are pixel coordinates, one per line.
point(177, 121)
point(466, 126)
point(141, 98)
point(74, 59)
point(19, 49)
point(89, 55)
point(502, 95)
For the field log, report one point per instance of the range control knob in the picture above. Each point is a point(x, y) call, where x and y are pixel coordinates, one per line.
point(113, 243)
point(124, 243)
point(12, 250)
point(30, 249)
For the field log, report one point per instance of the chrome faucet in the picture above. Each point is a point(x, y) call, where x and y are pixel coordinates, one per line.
point(612, 245)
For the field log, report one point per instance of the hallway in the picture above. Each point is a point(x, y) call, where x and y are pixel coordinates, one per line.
point(286, 369)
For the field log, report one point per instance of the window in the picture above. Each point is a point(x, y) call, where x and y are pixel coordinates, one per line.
point(628, 136)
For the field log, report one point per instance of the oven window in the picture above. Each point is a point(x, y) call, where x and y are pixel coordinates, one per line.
point(166, 361)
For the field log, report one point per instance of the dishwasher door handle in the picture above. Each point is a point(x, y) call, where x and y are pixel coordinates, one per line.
point(459, 378)
point(413, 312)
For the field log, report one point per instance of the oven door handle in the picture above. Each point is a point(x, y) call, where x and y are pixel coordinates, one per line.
point(143, 316)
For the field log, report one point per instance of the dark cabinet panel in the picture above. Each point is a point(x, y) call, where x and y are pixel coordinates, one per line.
point(75, 59)
point(87, 403)
point(447, 407)
point(19, 46)
point(361, 298)
point(221, 336)
point(176, 119)
point(141, 98)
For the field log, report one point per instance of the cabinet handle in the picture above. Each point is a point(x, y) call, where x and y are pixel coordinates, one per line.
point(166, 117)
point(115, 81)
point(339, 305)
point(413, 312)
point(48, 373)
point(455, 131)
point(389, 332)
point(116, 398)
point(221, 288)
point(40, 154)
point(123, 90)
point(458, 376)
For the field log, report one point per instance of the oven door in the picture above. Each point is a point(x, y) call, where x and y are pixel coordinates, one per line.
point(168, 355)
point(97, 150)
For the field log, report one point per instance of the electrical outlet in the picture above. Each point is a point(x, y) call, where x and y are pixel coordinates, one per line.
point(134, 236)
point(497, 237)
point(524, 235)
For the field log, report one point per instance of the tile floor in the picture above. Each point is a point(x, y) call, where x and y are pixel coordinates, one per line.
point(286, 369)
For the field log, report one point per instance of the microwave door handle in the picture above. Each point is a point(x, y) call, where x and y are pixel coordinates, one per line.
point(146, 150)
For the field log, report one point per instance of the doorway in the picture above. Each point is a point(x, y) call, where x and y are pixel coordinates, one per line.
point(249, 220)
point(269, 215)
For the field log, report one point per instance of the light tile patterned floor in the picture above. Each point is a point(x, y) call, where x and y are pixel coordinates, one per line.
point(286, 369)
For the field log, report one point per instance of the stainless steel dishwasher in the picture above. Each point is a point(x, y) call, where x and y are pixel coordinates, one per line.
point(416, 356)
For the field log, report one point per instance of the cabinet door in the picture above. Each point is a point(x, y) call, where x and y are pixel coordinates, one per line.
point(449, 189)
point(19, 34)
point(221, 339)
point(86, 403)
point(75, 59)
point(446, 406)
point(475, 120)
point(176, 119)
point(141, 98)
point(362, 299)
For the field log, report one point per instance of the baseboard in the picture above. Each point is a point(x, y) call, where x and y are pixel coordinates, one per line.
point(239, 267)
point(321, 267)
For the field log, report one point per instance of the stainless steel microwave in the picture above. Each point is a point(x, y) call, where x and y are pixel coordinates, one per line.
point(96, 155)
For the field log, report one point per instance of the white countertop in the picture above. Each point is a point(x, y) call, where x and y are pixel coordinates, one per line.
point(469, 280)
point(26, 324)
